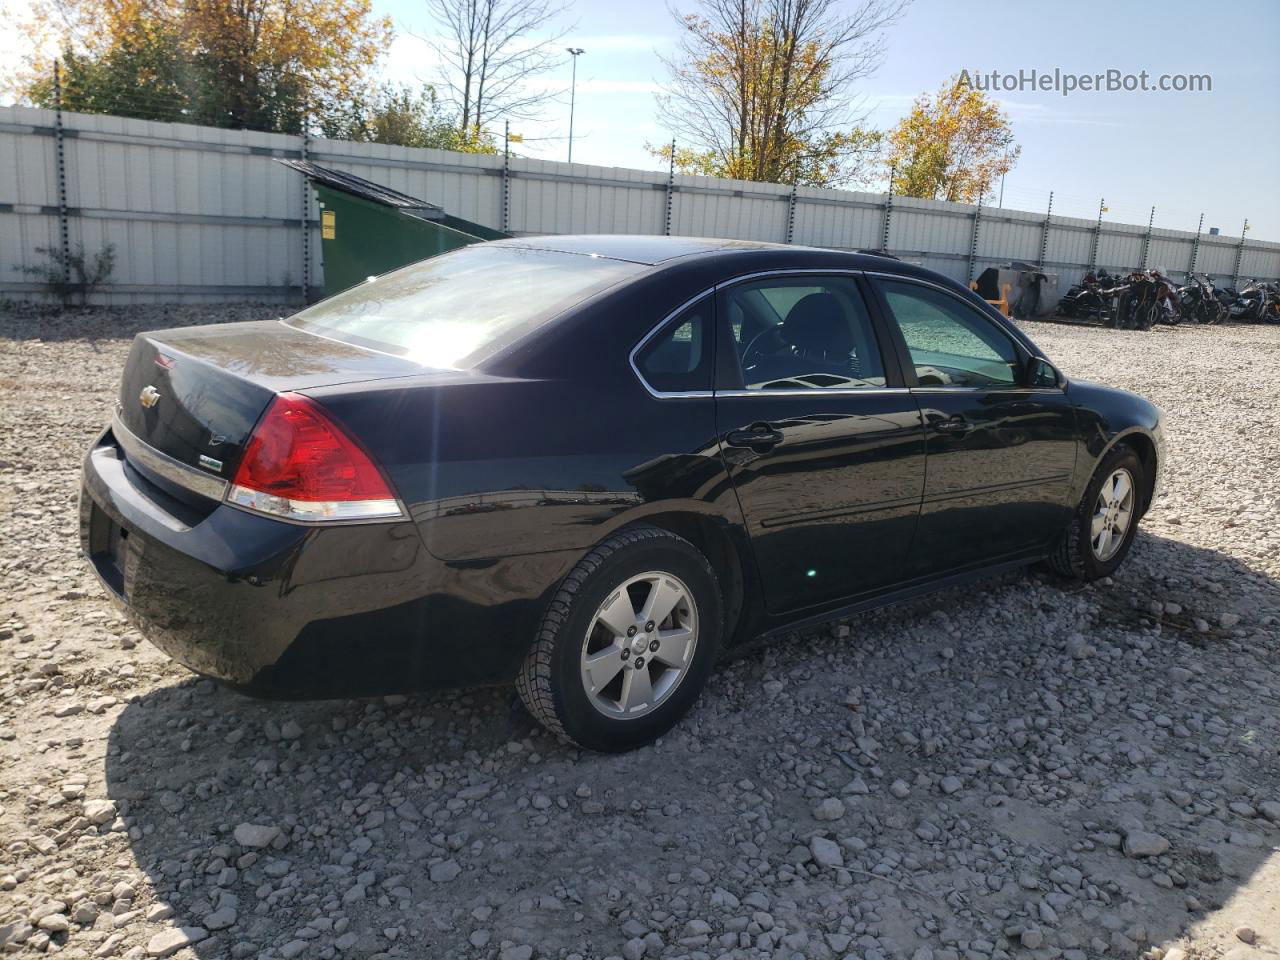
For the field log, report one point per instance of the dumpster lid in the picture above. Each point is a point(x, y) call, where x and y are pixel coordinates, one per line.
point(365, 189)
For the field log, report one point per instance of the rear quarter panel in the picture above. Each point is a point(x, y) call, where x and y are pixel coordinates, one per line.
point(552, 457)
point(505, 468)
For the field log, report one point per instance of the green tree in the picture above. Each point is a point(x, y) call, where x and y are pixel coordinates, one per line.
point(398, 115)
point(953, 145)
point(141, 77)
point(255, 64)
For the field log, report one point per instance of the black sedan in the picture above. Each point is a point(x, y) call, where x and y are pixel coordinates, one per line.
point(589, 464)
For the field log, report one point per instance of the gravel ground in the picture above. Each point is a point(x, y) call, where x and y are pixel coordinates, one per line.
point(1028, 769)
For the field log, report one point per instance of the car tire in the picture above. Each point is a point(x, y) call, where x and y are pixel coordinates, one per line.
point(1077, 554)
point(591, 627)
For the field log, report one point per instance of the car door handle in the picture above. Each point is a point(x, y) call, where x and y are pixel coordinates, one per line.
point(759, 437)
point(953, 425)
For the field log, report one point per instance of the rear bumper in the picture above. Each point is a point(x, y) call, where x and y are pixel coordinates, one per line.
point(279, 609)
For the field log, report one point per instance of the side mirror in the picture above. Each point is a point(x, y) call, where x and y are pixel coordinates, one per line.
point(1043, 374)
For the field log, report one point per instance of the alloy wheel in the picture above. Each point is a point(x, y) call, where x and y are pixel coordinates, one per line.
point(639, 645)
point(1112, 514)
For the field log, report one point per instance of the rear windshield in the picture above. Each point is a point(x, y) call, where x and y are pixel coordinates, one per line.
point(453, 310)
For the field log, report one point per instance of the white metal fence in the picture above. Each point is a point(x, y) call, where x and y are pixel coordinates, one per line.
point(198, 213)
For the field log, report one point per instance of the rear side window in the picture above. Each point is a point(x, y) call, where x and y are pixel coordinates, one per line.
point(453, 310)
point(951, 344)
point(678, 358)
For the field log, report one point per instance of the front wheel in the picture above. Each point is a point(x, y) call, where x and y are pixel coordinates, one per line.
point(627, 642)
point(1102, 529)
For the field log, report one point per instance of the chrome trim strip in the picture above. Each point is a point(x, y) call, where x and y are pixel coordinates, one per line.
point(661, 395)
point(163, 465)
point(657, 328)
point(1056, 391)
point(313, 510)
point(816, 392)
point(830, 271)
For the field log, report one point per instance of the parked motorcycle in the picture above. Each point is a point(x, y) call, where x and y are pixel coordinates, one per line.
point(1091, 299)
point(1149, 298)
point(1144, 298)
point(1199, 301)
point(1258, 301)
point(1227, 297)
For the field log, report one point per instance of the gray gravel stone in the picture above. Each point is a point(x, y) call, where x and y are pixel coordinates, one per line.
point(255, 835)
point(826, 852)
point(1141, 843)
point(168, 942)
point(446, 871)
point(829, 809)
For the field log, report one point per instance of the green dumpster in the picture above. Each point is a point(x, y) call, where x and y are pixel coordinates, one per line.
point(367, 229)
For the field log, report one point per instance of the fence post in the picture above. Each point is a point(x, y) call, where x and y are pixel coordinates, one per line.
point(1235, 273)
point(1146, 241)
point(506, 176)
point(306, 218)
point(60, 165)
point(671, 189)
point(1097, 235)
point(973, 240)
point(1044, 234)
point(1195, 248)
point(791, 214)
point(888, 212)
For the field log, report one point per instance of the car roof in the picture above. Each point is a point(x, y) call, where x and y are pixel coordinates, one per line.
point(637, 248)
point(657, 251)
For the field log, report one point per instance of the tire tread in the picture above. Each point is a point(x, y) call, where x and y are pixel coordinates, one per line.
point(534, 683)
point(1067, 557)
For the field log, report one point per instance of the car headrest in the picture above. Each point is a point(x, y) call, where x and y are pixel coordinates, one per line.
point(816, 326)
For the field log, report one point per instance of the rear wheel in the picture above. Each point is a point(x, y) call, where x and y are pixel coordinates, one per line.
point(627, 643)
point(1105, 522)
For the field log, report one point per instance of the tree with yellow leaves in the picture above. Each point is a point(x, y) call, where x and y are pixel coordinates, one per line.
point(254, 64)
point(760, 89)
point(953, 145)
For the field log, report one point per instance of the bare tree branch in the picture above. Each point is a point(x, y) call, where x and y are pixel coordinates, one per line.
point(490, 51)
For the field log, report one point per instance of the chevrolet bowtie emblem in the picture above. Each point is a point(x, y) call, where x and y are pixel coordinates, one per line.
point(149, 396)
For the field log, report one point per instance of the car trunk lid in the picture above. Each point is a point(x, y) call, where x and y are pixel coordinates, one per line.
point(195, 393)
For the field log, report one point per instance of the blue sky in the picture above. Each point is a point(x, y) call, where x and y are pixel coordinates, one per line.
point(1215, 152)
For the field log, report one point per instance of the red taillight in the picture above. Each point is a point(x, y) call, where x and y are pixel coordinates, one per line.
point(301, 465)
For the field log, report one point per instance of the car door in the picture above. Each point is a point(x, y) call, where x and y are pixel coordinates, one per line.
point(1000, 430)
point(824, 444)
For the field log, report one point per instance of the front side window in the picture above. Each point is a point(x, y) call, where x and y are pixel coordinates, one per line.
point(803, 333)
point(453, 310)
point(951, 344)
point(678, 358)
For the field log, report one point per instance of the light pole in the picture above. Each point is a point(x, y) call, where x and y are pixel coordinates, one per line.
point(573, 90)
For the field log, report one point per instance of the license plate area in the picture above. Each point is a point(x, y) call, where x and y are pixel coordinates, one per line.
point(108, 550)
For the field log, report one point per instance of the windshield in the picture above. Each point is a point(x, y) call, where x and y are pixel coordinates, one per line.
point(452, 310)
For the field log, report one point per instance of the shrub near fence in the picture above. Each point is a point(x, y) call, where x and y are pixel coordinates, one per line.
point(204, 214)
